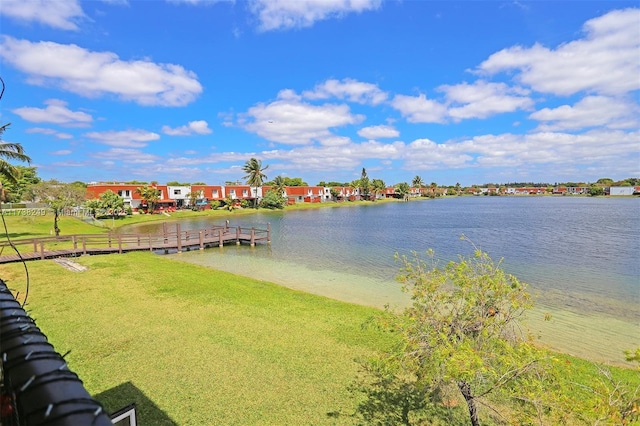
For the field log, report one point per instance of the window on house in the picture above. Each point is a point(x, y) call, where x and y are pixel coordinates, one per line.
point(176, 192)
point(245, 192)
point(120, 193)
point(214, 193)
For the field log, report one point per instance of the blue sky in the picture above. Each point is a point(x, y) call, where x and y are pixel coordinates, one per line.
point(454, 92)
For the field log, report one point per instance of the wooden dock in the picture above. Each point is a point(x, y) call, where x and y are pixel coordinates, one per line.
point(78, 245)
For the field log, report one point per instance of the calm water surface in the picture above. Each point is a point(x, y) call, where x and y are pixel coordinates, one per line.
point(580, 257)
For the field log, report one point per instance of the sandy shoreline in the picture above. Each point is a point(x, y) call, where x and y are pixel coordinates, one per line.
point(593, 337)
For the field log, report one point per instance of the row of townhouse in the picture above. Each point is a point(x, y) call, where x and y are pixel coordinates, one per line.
point(172, 197)
point(558, 190)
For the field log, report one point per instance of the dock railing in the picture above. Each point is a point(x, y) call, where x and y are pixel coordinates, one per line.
point(168, 239)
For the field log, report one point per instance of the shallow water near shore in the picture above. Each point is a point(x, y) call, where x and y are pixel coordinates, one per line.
point(579, 256)
point(595, 337)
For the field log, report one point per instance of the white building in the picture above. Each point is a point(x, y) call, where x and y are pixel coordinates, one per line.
point(621, 190)
point(180, 194)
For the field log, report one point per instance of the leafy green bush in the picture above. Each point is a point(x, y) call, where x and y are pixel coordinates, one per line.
point(273, 200)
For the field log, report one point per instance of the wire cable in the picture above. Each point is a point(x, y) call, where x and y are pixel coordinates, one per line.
point(6, 231)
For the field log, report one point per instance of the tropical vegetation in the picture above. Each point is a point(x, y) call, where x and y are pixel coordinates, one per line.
point(254, 175)
point(10, 151)
point(150, 196)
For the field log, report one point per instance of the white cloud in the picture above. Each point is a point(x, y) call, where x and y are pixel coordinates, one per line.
point(483, 99)
point(61, 152)
point(93, 74)
point(334, 140)
point(133, 156)
point(199, 2)
point(424, 154)
point(592, 111)
point(62, 15)
point(378, 132)
point(605, 61)
point(285, 14)
point(49, 132)
point(349, 89)
point(551, 149)
point(333, 158)
point(124, 139)
point(55, 112)
point(199, 127)
point(291, 121)
point(419, 109)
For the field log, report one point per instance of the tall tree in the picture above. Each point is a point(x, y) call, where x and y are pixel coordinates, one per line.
point(355, 186)
point(150, 195)
point(378, 186)
point(278, 185)
point(417, 182)
point(112, 203)
point(254, 176)
point(61, 197)
point(402, 190)
point(193, 197)
point(10, 151)
point(365, 184)
point(19, 190)
point(458, 188)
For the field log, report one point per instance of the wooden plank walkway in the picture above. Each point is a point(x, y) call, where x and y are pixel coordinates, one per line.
point(78, 245)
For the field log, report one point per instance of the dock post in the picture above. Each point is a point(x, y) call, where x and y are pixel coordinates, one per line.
point(120, 244)
point(268, 232)
point(150, 243)
point(221, 244)
point(201, 240)
point(41, 250)
point(253, 237)
point(138, 240)
point(109, 239)
point(178, 238)
point(75, 242)
point(238, 236)
point(164, 231)
point(84, 245)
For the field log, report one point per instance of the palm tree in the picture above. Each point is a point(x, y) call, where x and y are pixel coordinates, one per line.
point(253, 168)
point(11, 151)
point(402, 190)
point(150, 195)
point(378, 187)
point(417, 182)
point(458, 188)
point(279, 186)
point(354, 186)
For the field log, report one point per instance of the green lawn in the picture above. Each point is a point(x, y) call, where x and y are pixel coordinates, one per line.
point(197, 346)
point(21, 227)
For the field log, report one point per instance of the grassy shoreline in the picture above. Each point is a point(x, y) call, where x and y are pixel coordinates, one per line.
point(193, 345)
point(208, 347)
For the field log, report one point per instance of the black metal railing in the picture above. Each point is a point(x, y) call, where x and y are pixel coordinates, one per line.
point(37, 386)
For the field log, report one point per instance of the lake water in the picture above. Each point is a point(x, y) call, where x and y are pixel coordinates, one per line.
point(580, 257)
